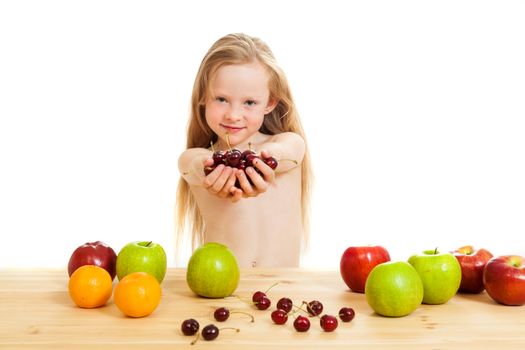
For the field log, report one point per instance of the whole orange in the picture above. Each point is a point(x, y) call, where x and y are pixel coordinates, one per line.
point(137, 294)
point(90, 286)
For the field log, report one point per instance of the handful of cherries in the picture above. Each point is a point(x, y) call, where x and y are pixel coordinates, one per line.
point(240, 160)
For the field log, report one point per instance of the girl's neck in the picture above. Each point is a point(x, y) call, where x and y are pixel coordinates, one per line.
point(254, 140)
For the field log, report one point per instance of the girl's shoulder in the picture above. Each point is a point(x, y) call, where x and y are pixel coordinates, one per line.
point(288, 136)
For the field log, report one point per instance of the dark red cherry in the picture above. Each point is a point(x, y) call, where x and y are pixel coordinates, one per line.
point(346, 314)
point(189, 326)
point(250, 158)
point(263, 303)
point(247, 153)
point(285, 304)
point(279, 316)
point(271, 162)
point(221, 314)
point(210, 332)
point(218, 157)
point(233, 158)
point(314, 308)
point(301, 324)
point(208, 170)
point(328, 323)
point(257, 296)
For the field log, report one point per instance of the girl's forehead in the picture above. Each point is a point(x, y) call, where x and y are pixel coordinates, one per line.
point(251, 74)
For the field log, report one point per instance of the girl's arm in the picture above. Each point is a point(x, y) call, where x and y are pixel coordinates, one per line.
point(287, 148)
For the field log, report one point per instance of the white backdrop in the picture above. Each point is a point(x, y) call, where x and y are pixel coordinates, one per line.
point(414, 113)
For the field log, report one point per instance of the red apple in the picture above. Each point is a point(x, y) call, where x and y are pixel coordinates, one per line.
point(472, 263)
point(94, 253)
point(357, 262)
point(504, 279)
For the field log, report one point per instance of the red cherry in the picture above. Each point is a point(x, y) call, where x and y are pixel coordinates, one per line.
point(314, 308)
point(301, 324)
point(328, 323)
point(263, 303)
point(285, 304)
point(279, 316)
point(346, 314)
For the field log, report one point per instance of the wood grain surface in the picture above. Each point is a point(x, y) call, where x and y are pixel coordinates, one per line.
point(37, 313)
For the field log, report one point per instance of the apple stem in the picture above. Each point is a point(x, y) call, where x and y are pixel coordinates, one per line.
point(436, 250)
point(148, 244)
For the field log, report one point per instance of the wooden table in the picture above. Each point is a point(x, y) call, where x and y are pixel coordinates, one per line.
point(36, 313)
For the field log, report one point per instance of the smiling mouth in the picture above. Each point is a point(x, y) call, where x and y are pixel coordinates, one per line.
point(232, 128)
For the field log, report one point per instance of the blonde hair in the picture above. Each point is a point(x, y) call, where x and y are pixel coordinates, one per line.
point(228, 50)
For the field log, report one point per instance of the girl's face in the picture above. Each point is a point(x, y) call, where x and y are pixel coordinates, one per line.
point(239, 99)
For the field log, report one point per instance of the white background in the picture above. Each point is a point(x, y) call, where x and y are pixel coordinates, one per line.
point(414, 113)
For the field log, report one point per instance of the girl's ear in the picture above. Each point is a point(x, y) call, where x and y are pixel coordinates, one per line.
point(272, 103)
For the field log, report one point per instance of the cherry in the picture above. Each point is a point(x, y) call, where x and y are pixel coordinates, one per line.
point(222, 314)
point(257, 296)
point(285, 304)
point(218, 157)
point(314, 308)
point(210, 332)
point(279, 316)
point(189, 326)
point(263, 303)
point(233, 158)
point(301, 324)
point(328, 323)
point(346, 314)
point(271, 162)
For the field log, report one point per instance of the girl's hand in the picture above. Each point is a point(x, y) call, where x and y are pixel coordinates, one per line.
point(220, 181)
point(259, 184)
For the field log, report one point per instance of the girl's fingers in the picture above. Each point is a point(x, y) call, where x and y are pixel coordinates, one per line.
point(245, 184)
point(258, 181)
point(236, 194)
point(225, 191)
point(266, 171)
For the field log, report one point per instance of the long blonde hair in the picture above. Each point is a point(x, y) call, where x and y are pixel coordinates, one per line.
point(228, 50)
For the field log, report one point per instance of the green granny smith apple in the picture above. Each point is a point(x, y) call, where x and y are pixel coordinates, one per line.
point(394, 289)
point(142, 257)
point(440, 273)
point(213, 271)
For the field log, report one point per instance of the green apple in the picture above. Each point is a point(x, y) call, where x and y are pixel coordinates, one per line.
point(213, 271)
point(394, 289)
point(440, 273)
point(142, 257)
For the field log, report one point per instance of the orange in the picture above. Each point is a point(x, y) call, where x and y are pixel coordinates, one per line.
point(137, 294)
point(90, 286)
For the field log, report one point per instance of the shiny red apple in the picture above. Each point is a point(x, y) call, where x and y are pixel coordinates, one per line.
point(357, 262)
point(94, 253)
point(504, 279)
point(472, 262)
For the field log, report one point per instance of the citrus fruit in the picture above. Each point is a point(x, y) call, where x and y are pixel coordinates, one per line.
point(137, 294)
point(90, 286)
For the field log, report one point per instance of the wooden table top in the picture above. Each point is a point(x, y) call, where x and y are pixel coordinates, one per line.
point(37, 313)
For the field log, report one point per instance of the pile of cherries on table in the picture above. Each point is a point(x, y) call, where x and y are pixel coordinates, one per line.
point(279, 316)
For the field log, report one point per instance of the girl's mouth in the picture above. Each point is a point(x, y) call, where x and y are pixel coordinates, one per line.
point(232, 129)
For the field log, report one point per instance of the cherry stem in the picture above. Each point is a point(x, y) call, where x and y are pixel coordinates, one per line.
point(232, 328)
point(250, 146)
point(195, 339)
point(212, 148)
point(228, 140)
point(244, 313)
point(273, 285)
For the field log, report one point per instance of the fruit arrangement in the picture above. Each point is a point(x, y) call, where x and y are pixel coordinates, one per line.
point(396, 289)
point(140, 267)
point(285, 308)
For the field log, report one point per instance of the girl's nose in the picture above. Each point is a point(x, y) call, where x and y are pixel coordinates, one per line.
point(234, 113)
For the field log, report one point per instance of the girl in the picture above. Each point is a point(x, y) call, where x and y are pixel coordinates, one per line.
point(241, 99)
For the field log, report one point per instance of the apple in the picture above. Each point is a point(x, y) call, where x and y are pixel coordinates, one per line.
point(93, 253)
point(213, 271)
point(142, 256)
point(504, 279)
point(472, 263)
point(440, 274)
point(357, 262)
point(394, 289)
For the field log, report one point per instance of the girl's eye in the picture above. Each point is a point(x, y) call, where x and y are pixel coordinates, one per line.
point(251, 103)
point(220, 99)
